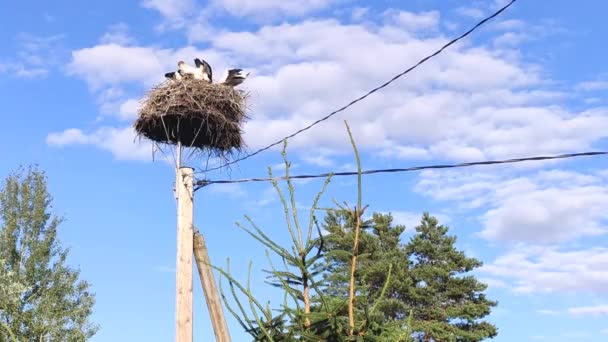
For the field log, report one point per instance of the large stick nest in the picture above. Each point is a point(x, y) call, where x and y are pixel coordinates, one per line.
point(196, 114)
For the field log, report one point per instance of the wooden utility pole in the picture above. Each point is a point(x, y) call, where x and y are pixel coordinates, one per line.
point(212, 297)
point(185, 235)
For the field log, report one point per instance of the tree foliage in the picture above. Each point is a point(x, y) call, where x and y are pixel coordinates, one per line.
point(358, 282)
point(308, 312)
point(379, 248)
point(428, 277)
point(41, 298)
point(447, 303)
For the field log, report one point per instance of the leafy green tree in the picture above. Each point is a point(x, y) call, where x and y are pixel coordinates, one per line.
point(447, 304)
point(41, 298)
point(427, 277)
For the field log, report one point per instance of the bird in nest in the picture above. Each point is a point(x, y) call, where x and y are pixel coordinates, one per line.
point(174, 75)
point(201, 71)
point(235, 77)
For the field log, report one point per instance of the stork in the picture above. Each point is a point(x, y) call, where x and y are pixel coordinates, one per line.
point(175, 75)
point(205, 69)
point(235, 77)
point(186, 69)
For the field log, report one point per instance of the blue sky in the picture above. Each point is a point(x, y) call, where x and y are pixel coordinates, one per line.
point(533, 81)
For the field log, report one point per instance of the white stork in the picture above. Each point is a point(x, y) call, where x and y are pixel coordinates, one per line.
point(235, 77)
point(175, 75)
point(205, 68)
point(186, 69)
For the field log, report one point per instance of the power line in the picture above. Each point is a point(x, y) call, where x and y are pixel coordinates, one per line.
point(204, 182)
point(367, 94)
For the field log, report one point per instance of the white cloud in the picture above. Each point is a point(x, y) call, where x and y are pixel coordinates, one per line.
point(71, 136)
point(546, 207)
point(480, 9)
point(271, 8)
point(592, 85)
point(117, 34)
point(35, 56)
point(21, 70)
point(471, 12)
point(510, 38)
point(473, 93)
point(594, 310)
point(548, 215)
point(409, 219)
point(548, 312)
point(320, 157)
point(405, 152)
point(509, 24)
point(530, 269)
point(173, 10)
point(598, 310)
point(128, 109)
point(412, 219)
point(112, 64)
point(359, 12)
point(496, 4)
point(468, 103)
point(415, 22)
point(120, 142)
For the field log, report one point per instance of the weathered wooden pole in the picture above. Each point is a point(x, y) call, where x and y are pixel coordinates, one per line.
point(185, 236)
point(212, 297)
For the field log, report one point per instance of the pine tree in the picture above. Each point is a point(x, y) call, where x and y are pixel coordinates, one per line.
point(447, 304)
point(41, 298)
point(379, 247)
point(426, 277)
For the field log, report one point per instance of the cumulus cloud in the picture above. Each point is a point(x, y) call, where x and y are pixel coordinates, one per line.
point(510, 38)
point(509, 24)
point(173, 10)
point(548, 215)
point(548, 312)
point(71, 136)
point(542, 208)
point(110, 68)
point(471, 12)
point(35, 56)
point(414, 22)
point(117, 34)
point(550, 270)
point(471, 102)
point(412, 219)
point(114, 64)
point(119, 141)
point(482, 100)
point(598, 310)
point(407, 218)
point(271, 8)
point(128, 109)
point(592, 85)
